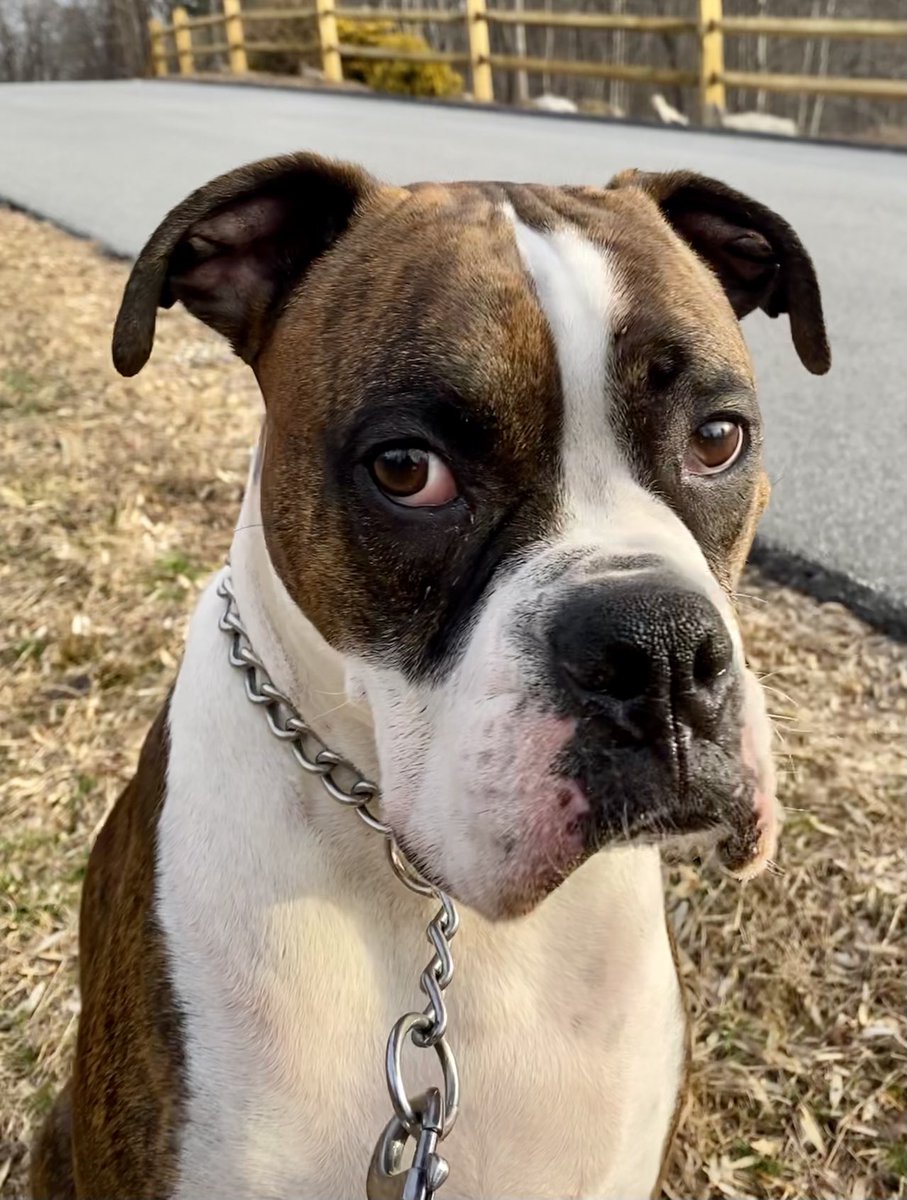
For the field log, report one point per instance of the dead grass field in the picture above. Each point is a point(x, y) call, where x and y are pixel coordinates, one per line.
point(118, 497)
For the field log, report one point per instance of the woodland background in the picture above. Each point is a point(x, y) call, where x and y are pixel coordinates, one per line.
point(108, 39)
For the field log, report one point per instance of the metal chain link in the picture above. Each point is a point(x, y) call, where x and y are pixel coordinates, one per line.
point(429, 1117)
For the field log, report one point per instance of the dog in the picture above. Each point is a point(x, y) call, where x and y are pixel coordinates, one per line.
point(508, 476)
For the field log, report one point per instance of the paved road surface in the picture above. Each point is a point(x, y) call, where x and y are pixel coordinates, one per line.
point(108, 159)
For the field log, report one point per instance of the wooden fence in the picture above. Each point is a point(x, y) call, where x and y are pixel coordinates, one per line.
point(318, 23)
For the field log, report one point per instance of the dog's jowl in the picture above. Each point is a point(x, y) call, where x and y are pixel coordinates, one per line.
point(509, 472)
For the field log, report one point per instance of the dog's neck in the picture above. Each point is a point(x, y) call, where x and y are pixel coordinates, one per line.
point(313, 676)
point(297, 658)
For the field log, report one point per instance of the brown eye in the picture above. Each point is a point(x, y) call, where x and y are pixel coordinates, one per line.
point(714, 446)
point(413, 476)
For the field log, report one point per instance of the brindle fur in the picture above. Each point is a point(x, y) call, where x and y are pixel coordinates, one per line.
point(113, 1131)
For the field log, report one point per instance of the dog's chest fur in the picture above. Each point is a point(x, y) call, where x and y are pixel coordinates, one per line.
point(290, 963)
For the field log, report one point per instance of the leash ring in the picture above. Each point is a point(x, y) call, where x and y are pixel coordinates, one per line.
point(403, 1107)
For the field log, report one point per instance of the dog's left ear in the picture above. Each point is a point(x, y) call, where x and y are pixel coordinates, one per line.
point(759, 260)
point(232, 251)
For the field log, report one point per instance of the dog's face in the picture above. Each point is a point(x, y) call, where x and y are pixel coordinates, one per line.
point(511, 470)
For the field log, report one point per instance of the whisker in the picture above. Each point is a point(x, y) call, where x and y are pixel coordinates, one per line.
point(780, 736)
point(329, 711)
point(772, 674)
point(777, 692)
point(749, 597)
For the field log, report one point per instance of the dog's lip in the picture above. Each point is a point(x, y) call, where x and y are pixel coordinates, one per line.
point(766, 825)
point(738, 816)
point(767, 813)
point(745, 838)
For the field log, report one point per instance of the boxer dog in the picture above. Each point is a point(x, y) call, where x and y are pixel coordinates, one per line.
point(508, 475)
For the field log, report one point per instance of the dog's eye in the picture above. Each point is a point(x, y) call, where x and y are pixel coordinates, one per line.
point(714, 446)
point(414, 476)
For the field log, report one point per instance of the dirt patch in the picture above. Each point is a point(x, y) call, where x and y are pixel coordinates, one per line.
point(118, 498)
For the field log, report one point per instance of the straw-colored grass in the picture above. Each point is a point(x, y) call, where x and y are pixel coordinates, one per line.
point(118, 498)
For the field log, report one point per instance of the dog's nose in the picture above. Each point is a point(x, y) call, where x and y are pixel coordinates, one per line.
point(649, 656)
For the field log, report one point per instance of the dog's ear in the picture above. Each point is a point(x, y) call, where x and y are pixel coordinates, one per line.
point(233, 249)
point(759, 260)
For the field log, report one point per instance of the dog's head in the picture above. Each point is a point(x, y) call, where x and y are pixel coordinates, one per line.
point(511, 472)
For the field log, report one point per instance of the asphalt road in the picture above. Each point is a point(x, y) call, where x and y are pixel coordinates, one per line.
point(108, 159)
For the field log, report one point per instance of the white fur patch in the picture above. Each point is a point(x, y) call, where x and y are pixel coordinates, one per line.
point(605, 509)
point(577, 291)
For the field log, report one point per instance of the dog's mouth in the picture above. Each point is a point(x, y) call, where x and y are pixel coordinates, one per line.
point(731, 818)
point(733, 830)
point(636, 797)
point(533, 828)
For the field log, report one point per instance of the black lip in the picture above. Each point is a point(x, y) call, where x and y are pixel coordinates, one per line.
point(635, 795)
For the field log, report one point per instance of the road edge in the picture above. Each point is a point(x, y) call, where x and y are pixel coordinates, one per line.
point(514, 110)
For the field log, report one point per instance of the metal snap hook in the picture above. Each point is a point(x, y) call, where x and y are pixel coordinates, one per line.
point(388, 1178)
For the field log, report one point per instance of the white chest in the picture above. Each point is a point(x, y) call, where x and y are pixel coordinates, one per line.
point(567, 1024)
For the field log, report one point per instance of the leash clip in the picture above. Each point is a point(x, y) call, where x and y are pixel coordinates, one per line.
point(388, 1179)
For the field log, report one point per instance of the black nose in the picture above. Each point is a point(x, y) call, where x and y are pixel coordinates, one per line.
point(649, 655)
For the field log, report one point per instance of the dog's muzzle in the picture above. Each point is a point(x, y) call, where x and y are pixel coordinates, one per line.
point(645, 666)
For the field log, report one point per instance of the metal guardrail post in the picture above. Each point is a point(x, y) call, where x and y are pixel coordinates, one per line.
point(331, 62)
point(233, 26)
point(479, 51)
point(158, 48)
point(182, 35)
point(711, 59)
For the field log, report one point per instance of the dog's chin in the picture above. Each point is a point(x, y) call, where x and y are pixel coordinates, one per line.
point(502, 896)
point(510, 902)
point(523, 897)
point(740, 826)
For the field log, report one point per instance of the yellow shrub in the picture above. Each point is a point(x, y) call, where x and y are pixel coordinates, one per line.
point(390, 75)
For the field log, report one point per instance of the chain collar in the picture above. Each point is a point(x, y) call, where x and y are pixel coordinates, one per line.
point(429, 1117)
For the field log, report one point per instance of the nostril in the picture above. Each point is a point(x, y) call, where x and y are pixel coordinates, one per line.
point(711, 659)
point(628, 672)
point(625, 673)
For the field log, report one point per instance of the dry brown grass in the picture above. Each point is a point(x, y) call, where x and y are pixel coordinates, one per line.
point(119, 496)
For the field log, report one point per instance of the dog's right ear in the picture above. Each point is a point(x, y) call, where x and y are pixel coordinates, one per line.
point(233, 249)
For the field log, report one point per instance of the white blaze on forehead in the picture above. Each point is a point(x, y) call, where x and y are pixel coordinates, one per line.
point(576, 288)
